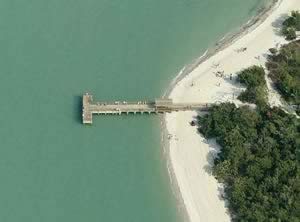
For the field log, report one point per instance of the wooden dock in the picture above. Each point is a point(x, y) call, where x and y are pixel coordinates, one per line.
point(123, 107)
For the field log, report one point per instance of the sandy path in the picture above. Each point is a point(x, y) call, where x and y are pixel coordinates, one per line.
point(190, 153)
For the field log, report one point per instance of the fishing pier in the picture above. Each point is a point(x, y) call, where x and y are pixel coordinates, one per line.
point(89, 108)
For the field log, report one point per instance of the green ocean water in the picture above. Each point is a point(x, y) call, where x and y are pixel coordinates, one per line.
point(52, 168)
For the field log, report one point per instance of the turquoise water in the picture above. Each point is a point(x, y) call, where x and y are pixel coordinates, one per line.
point(52, 167)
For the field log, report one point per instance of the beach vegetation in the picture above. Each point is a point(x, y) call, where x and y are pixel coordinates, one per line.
point(259, 161)
point(273, 50)
point(259, 158)
point(284, 70)
point(254, 79)
point(291, 25)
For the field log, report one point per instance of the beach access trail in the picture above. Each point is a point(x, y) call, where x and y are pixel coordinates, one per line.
point(191, 155)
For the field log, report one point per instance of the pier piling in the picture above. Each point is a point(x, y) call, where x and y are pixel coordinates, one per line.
point(158, 106)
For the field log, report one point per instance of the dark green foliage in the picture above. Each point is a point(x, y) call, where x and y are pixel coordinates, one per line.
point(273, 50)
point(291, 25)
point(259, 162)
point(254, 79)
point(284, 68)
point(290, 33)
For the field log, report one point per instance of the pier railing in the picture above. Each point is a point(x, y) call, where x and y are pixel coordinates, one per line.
point(123, 107)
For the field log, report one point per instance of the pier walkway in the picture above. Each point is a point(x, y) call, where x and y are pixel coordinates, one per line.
point(122, 107)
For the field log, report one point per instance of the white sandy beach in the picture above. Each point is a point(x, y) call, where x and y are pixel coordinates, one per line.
point(190, 153)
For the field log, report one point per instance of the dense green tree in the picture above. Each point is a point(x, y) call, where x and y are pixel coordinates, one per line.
point(284, 69)
point(254, 79)
point(291, 25)
point(290, 33)
point(258, 162)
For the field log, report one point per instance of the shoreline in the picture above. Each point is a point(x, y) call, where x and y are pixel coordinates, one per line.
point(226, 42)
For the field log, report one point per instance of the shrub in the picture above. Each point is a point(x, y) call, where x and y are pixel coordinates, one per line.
point(273, 51)
point(291, 25)
point(254, 79)
point(284, 70)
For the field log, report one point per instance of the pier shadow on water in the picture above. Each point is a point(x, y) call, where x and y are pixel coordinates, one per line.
point(77, 109)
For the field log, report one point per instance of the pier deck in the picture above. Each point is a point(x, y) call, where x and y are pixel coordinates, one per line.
point(122, 107)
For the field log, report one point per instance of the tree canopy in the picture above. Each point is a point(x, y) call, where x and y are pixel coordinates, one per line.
point(284, 68)
point(291, 25)
point(254, 79)
point(258, 162)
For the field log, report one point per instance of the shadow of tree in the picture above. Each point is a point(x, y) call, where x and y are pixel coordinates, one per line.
point(277, 24)
point(214, 149)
